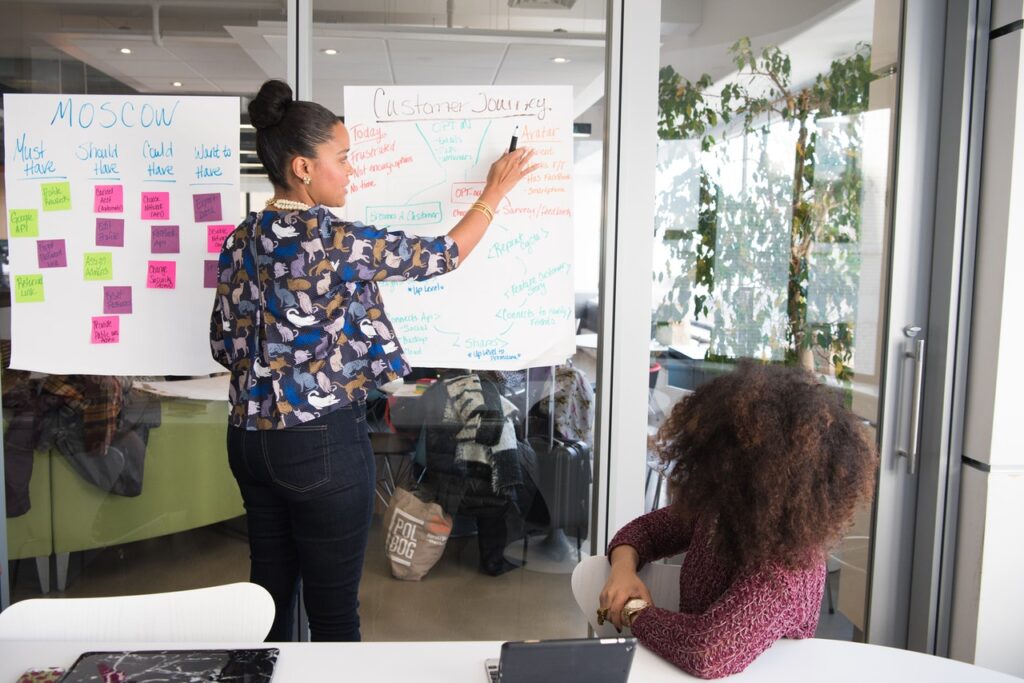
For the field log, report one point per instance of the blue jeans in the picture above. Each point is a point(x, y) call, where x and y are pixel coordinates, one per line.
point(308, 493)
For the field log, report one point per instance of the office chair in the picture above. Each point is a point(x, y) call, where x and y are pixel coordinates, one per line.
point(236, 612)
point(591, 574)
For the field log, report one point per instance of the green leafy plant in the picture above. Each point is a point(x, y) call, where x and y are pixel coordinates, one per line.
point(734, 252)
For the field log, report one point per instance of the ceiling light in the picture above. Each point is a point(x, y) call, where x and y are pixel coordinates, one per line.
point(126, 50)
point(329, 51)
point(560, 60)
point(176, 84)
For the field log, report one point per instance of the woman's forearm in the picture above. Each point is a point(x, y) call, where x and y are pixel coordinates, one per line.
point(624, 556)
point(504, 174)
point(468, 232)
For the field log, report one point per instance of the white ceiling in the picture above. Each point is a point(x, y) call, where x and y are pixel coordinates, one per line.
point(238, 64)
point(230, 47)
point(408, 41)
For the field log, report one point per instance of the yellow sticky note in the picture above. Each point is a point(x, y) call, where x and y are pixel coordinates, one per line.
point(23, 223)
point(56, 196)
point(28, 289)
point(99, 265)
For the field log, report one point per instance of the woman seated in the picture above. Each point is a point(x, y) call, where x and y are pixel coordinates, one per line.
point(767, 469)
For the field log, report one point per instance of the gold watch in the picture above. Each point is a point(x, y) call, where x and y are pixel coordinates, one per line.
point(633, 607)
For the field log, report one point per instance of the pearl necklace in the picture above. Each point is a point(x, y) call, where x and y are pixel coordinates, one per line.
point(288, 205)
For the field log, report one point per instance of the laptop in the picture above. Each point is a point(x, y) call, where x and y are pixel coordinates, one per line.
point(174, 666)
point(595, 660)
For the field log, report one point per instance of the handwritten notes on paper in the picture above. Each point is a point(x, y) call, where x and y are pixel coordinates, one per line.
point(99, 265)
point(215, 236)
point(51, 253)
point(420, 157)
point(23, 223)
point(117, 300)
point(161, 275)
point(28, 289)
point(56, 196)
point(109, 199)
point(109, 232)
point(206, 207)
point(115, 201)
point(156, 206)
point(106, 329)
point(164, 239)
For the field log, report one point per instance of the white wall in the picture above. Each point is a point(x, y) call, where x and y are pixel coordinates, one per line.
point(988, 593)
point(1006, 11)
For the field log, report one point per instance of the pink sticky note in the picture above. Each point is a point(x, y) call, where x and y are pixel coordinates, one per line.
point(210, 274)
point(106, 329)
point(117, 300)
point(215, 236)
point(207, 207)
point(161, 275)
point(52, 254)
point(109, 232)
point(108, 199)
point(156, 206)
point(164, 239)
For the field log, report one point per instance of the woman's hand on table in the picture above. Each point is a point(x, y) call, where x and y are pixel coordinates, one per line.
point(623, 583)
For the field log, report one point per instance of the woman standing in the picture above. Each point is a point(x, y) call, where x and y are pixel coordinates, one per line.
point(299, 322)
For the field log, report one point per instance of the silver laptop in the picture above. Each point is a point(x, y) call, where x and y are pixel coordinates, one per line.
point(595, 660)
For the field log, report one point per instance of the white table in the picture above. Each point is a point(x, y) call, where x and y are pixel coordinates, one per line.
point(454, 662)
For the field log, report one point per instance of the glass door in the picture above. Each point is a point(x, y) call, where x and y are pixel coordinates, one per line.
point(786, 230)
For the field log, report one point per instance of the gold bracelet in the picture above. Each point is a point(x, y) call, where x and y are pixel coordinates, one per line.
point(486, 210)
point(481, 210)
point(483, 206)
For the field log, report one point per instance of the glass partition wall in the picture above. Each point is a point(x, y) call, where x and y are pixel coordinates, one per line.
point(120, 484)
point(506, 568)
point(178, 523)
point(773, 176)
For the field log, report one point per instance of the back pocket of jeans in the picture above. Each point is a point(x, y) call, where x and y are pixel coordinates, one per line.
point(297, 458)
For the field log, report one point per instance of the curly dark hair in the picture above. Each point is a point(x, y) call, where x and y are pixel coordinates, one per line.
point(772, 458)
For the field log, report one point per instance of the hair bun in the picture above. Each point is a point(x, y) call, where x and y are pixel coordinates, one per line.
point(269, 106)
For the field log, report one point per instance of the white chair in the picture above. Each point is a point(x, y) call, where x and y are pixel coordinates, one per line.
point(236, 612)
point(591, 574)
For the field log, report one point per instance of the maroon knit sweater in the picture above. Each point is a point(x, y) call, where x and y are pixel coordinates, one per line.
point(724, 621)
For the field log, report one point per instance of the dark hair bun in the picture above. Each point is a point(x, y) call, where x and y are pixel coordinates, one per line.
point(269, 106)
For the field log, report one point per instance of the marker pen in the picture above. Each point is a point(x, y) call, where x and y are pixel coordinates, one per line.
point(515, 139)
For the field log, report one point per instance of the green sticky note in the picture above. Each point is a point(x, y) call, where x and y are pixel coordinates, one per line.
point(28, 289)
point(99, 265)
point(23, 223)
point(56, 196)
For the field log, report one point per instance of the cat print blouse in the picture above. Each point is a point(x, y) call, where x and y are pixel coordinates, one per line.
point(310, 335)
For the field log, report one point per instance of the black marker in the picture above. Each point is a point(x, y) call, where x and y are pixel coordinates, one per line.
point(515, 139)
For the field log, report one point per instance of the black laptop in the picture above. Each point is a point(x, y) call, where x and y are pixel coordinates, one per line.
point(174, 666)
point(594, 660)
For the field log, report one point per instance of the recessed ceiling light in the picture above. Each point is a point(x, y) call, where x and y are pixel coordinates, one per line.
point(126, 50)
point(560, 60)
point(329, 51)
point(176, 84)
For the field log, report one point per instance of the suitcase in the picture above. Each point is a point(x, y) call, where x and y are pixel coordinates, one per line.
point(564, 479)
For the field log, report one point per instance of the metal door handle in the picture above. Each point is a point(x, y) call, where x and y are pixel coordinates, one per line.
point(917, 355)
